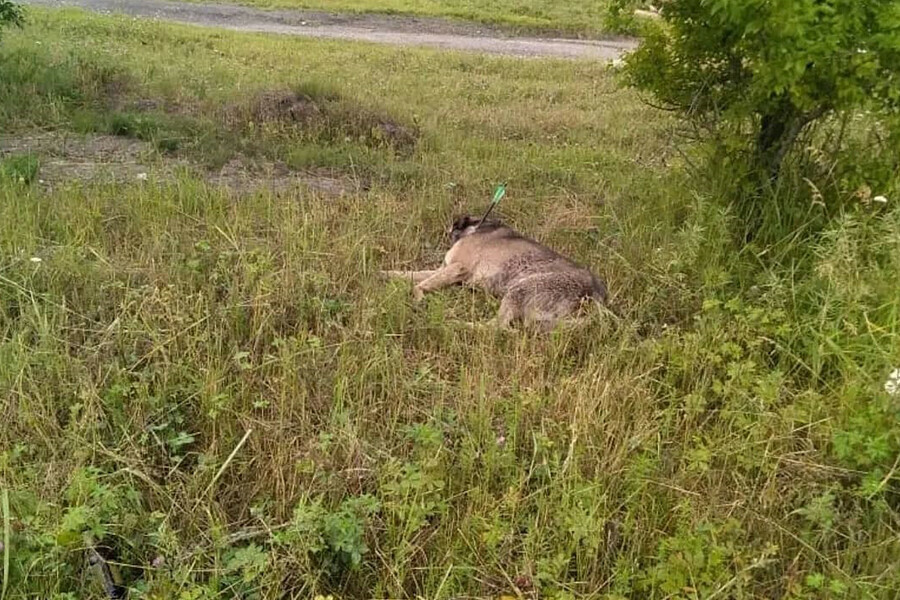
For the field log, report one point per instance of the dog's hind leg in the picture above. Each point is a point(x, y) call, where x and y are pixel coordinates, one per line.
point(510, 310)
point(506, 315)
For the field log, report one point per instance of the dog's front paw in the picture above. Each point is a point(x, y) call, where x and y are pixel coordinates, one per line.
point(418, 294)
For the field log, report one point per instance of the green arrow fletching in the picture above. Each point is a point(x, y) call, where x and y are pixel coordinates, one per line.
point(499, 193)
point(498, 196)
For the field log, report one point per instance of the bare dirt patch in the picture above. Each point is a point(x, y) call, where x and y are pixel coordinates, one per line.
point(241, 176)
point(97, 148)
point(66, 158)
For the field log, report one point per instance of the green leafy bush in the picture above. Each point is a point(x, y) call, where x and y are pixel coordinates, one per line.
point(337, 536)
point(10, 14)
point(756, 74)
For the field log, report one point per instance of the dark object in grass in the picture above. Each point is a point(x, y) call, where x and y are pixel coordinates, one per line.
point(104, 571)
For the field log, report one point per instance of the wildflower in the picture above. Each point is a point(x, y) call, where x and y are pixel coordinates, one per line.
point(864, 194)
point(36, 259)
point(142, 177)
point(892, 385)
point(880, 199)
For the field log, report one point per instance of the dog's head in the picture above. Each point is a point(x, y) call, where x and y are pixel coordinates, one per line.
point(467, 225)
point(461, 227)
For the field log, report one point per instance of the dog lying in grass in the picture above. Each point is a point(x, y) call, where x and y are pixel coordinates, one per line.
point(536, 285)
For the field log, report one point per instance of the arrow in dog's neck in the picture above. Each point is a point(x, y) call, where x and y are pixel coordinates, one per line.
point(498, 195)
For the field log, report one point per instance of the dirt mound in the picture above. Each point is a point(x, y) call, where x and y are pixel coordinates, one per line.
point(325, 118)
point(284, 107)
point(399, 136)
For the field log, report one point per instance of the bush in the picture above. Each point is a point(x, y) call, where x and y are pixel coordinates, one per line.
point(759, 73)
point(10, 14)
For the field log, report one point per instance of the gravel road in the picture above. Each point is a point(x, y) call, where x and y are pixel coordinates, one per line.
point(385, 29)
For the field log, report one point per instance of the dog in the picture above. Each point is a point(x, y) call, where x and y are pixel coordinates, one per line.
point(536, 285)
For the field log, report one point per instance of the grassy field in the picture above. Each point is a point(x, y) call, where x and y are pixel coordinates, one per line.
point(587, 18)
point(216, 387)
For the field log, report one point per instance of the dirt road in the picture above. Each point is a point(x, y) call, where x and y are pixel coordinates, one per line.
point(385, 29)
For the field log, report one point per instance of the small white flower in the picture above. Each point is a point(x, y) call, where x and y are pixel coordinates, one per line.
point(880, 199)
point(36, 259)
point(142, 177)
point(892, 385)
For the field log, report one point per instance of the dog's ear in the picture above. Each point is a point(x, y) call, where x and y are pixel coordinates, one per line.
point(461, 223)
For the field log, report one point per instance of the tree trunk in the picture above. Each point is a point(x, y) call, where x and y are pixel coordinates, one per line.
point(778, 130)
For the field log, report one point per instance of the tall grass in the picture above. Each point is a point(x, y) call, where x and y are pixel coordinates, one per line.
point(222, 393)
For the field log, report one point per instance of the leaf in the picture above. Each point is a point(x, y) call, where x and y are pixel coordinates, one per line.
point(815, 581)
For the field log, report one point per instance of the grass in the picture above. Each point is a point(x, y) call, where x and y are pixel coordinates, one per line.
point(221, 391)
point(588, 18)
point(21, 168)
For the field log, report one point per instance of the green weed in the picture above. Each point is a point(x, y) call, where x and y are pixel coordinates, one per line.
point(20, 169)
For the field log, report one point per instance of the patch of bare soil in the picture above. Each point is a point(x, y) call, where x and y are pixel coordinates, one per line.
point(100, 148)
point(241, 176)
point(65, 158)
